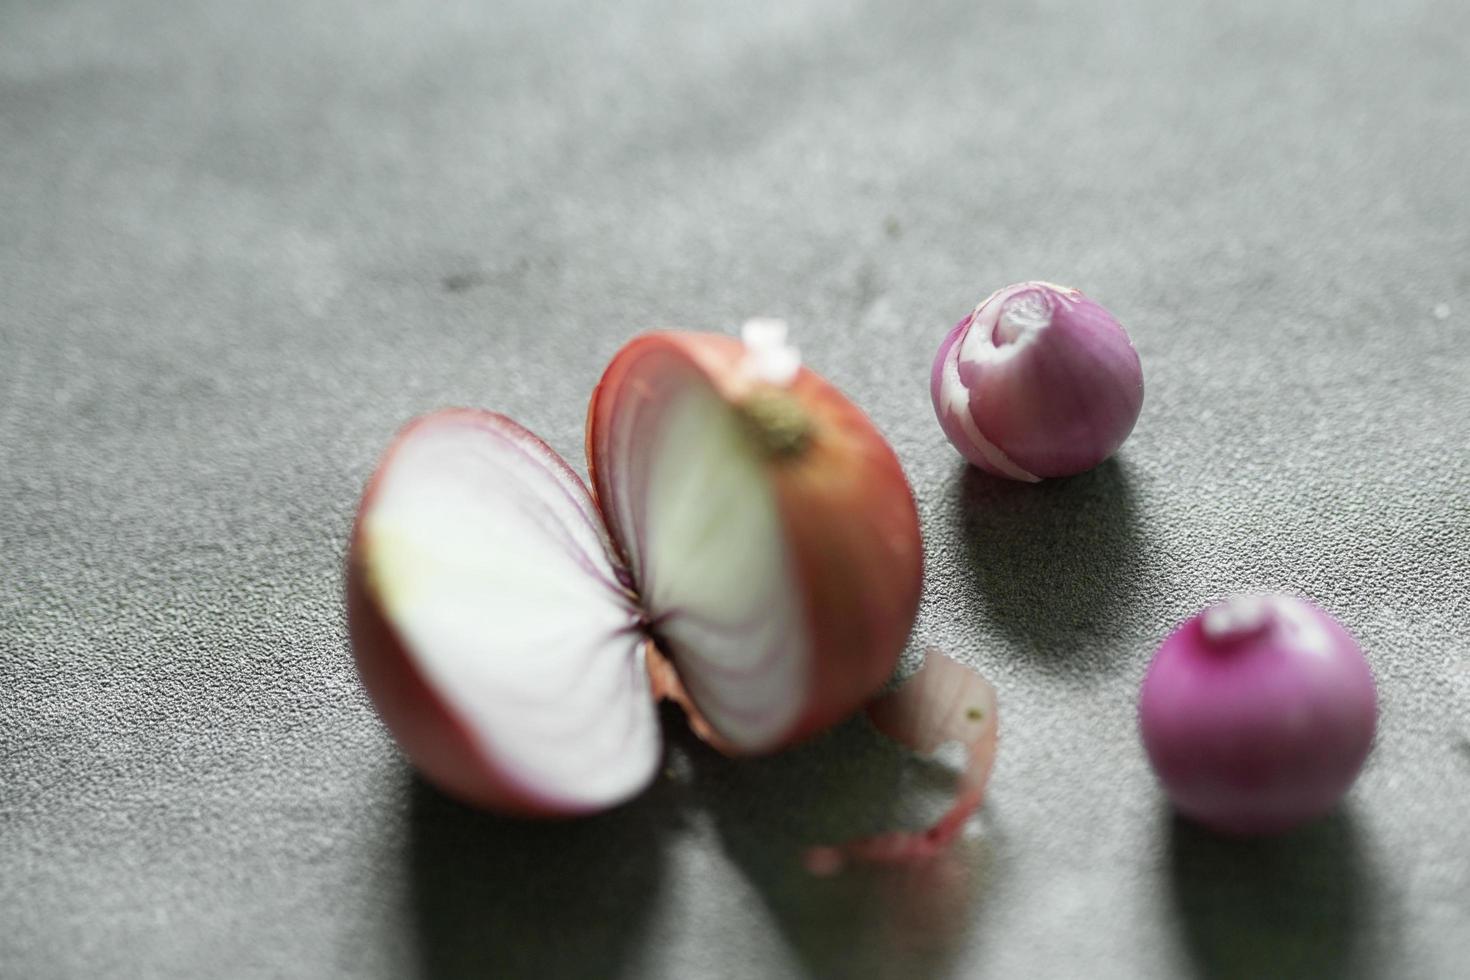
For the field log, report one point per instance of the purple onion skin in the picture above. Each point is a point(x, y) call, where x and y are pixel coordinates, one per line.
point(1257, 714)
point(1053, 398)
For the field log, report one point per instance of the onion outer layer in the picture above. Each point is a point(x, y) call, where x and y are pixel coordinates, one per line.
point(944, 705)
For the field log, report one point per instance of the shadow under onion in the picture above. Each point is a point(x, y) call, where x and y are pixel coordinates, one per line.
point(1287, 906)
point(1058, 564)
point(501, 897)
point(902, 920)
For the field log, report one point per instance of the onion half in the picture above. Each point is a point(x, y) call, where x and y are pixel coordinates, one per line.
point(769, 529)
point(489, 623)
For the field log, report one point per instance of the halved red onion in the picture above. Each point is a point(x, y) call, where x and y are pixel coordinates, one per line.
point(769, 529)
point(758, 529)
point(490, 624)
point(948, 711)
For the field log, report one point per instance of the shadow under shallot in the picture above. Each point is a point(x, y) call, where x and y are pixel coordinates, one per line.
point(1058, 564)
point(1296, 905)
point(500, 897)
point(865, 921)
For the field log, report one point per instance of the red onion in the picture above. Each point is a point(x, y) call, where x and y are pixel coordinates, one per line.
point(1257, 714)
point(752, 552)
point(1038, 381)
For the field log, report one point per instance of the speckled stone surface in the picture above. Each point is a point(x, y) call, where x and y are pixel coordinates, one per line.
point(241, 243)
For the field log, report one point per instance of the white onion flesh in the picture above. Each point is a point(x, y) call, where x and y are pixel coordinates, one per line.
point(714, 573)
point(485, 554)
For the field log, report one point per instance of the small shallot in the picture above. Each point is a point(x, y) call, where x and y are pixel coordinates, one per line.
point(1257, 714)
point(1039, 381)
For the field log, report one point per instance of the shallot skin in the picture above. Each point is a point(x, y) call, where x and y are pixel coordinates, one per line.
point(945, 703)
point(1257, 714)
point(1038, 381)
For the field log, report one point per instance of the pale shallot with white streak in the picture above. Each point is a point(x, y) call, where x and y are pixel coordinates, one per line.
point(1039, 381)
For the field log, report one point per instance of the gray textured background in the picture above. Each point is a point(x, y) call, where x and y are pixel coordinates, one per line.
point(241, 242)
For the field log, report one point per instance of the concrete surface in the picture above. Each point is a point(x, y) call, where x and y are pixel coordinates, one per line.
point(241, 243)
